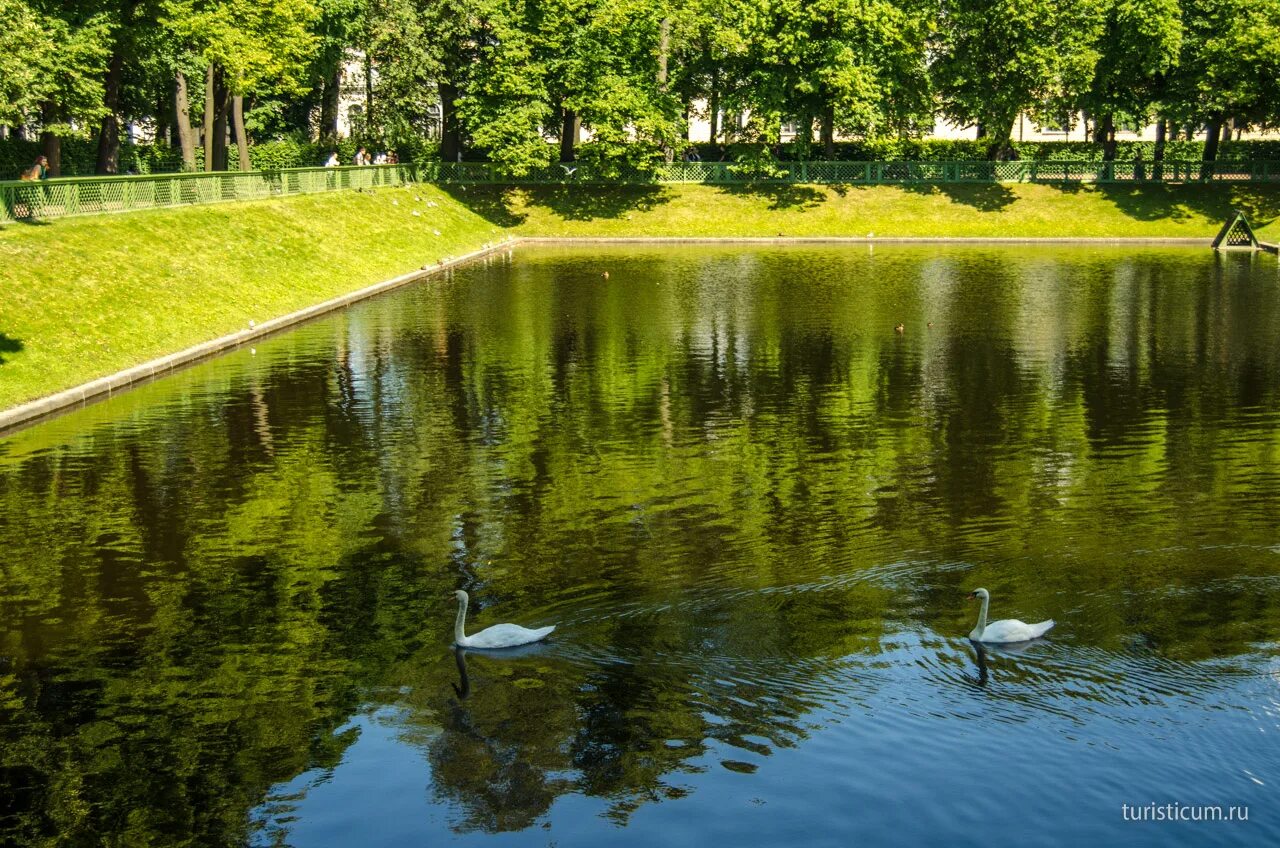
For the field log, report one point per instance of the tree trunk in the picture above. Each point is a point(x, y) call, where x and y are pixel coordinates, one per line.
point(329, 106)
point(664, 51)
point(1157, 167)
point(450, 136)
point(999, 147)
point(182, 119)
point(829, 132)
point(242, 137)
point(209, 112)
point(1108, 131)
point(1212, 138)
point(570, 127)
point(221, 99)
point(164, 113)
point(368, 96)
point(109, 135)
point(51, 143)
point(715, 105)
point(1226, 128)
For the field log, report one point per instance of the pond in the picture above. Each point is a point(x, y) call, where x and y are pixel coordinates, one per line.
point(754, 510)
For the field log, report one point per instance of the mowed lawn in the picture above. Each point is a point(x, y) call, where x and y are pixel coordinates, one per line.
point(1000, 210)
point(86, 297)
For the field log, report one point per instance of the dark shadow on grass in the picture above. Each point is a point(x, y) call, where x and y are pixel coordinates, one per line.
point(1217, 201)
point(780, 195)
point(491, 202)
point(27, 222)
point(8, 345)
point(589, 202)
point(575, 202)
point(984, 197)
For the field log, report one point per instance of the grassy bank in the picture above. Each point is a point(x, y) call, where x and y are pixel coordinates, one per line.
point(83, 298)
point(87, 297)
point(928, 210)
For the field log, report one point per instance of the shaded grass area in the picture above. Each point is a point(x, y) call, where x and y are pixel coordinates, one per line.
point(87, 297)
point(980, 210)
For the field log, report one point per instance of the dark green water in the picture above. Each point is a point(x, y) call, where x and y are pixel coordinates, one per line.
point(753, 509)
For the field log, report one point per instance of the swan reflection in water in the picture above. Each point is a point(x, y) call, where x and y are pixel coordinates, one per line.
point(980, 656)
point(981, 650)
point(502, 774)
point(463, 687)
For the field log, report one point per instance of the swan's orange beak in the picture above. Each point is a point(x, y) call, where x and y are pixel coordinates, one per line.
point(972, 595)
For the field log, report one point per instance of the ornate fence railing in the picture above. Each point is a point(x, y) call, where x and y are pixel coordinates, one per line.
point(865, 173)
point(60, 198)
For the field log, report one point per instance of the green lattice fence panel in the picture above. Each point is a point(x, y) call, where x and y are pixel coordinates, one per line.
point(1232, 171)
point(95, 195)
point(686, 172)
point(826, 172)
point(928, 172)
point(974, 172)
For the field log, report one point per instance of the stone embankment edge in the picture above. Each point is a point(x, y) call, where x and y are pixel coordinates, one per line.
point(104, 387)
point(1139, 241)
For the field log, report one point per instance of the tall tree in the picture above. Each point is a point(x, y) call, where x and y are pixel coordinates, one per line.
point(995, 60)
point(853, 65)
point(1229, 68)
point(26, 47)
point(249, 46)
point(72, 90)
point(555, 64)
point(1138, 46)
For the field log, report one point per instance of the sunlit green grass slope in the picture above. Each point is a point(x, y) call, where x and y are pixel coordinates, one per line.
point(1013, 210)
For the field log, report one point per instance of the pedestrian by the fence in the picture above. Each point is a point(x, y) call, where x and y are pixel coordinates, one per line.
point(38, 171)
point(333, 160)
point(362, 157)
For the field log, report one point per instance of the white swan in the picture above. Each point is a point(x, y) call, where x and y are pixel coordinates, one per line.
point(497, 636)
point(1005, 630)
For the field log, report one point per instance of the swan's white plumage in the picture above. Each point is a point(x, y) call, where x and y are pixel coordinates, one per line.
point(497, 636)
point(1005, 630)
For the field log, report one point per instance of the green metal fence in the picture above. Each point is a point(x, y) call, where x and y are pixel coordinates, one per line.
point(60, 198)
point(868, 173)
